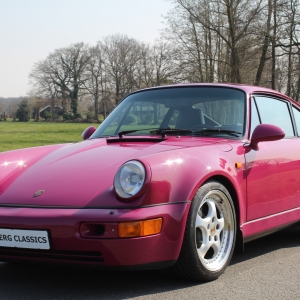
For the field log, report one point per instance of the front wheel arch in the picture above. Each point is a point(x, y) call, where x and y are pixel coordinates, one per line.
point(229, 186)
point(210, 234)
point(239, 244)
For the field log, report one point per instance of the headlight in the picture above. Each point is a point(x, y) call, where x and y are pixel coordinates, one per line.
point(130, 179)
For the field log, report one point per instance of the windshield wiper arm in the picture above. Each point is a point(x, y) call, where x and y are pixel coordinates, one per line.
point(164, 131)
point(161, 131)
point(208, 130)
point(121, 133)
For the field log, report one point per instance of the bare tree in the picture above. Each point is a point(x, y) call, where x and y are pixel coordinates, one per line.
point(43, 86)
point(121, 55)
point(61, 73)
point(95, 76)
point(213, 38)
point(163, 64)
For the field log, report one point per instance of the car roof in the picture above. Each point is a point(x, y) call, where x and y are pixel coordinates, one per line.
point(249, 89)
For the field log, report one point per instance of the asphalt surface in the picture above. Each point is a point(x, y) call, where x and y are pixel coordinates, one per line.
point(268, 269)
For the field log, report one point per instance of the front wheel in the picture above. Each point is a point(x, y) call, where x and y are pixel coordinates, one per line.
point(209, 235)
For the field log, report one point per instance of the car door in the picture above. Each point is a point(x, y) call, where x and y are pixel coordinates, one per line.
point(273, 172)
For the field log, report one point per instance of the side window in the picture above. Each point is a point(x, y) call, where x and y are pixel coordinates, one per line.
point(254, 116)
point(276, 112)
point(296, 113)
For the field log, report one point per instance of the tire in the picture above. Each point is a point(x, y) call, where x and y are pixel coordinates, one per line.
point(210, 234)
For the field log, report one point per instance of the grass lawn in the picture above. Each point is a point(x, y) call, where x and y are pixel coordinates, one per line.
point(16, 135)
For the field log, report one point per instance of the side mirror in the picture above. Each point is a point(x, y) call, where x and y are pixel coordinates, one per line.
point(88, 132)
point(264, 133)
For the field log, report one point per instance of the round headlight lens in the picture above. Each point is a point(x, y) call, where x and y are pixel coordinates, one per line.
point(130, 179)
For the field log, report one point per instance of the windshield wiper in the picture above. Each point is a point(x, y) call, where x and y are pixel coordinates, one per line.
point(161, 131)
point(164, 131)
point(124, 132)
point(211, 130)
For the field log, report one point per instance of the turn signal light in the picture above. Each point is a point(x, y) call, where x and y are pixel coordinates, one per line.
point(140, 228)
point(238, 165)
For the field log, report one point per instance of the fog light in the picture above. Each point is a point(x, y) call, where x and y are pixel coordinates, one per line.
point(140, 228)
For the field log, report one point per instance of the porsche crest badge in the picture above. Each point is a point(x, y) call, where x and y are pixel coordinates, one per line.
point(38, 193)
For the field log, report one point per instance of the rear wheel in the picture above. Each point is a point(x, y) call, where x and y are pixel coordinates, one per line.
point(209, 235)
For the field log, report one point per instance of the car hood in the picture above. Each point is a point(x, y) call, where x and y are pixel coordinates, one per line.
point(72, 175)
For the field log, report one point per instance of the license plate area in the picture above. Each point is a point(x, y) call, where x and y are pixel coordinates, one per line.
point(29, 239)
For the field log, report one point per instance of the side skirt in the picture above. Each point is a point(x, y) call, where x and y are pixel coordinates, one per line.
point(257, 228)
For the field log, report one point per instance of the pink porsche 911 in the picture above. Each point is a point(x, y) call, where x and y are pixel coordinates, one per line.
point(177, 176)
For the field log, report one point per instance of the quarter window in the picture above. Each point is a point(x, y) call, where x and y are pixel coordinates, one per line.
point(276, 112)
point(296, 113)
point(254, 117)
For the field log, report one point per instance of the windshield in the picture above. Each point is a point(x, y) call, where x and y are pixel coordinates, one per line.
point(209, 111)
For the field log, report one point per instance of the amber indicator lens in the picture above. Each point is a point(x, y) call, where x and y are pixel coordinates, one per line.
point(238, 165)
point(140, 228)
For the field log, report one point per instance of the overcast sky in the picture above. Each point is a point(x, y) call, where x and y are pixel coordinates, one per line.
point(31, 29)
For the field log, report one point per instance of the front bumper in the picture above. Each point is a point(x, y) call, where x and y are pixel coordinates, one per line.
point(71, 241)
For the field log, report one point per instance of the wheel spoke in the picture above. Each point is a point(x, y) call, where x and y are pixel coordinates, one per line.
point(216, 245)
point(202, 223)
point(204, 248)
point(212, 210)
point(221, 223)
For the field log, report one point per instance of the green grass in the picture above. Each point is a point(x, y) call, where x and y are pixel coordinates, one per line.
point(16, 135)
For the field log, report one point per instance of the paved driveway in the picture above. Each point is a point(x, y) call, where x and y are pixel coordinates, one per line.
point(268, 269)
